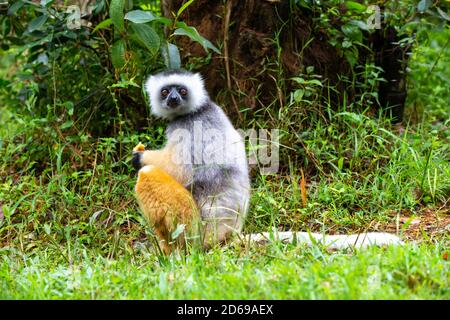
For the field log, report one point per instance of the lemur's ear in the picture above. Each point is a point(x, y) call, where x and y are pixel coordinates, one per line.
point(149, 83)
point(152, 88)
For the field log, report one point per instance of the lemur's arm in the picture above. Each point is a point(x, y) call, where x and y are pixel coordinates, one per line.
point(159, 158)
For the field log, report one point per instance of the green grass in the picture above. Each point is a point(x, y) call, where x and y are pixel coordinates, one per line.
point(69, 233)
point(276, 272)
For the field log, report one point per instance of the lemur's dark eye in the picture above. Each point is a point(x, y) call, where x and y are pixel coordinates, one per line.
point(183, 91)
point(164, 92)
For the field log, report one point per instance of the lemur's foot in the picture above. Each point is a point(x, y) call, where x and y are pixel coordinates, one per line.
point(137, 155)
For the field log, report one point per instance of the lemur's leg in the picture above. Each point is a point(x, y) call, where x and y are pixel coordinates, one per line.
point(167, 205)
point(221, 224)
point(222, 199)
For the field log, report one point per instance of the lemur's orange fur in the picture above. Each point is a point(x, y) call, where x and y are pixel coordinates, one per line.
point(165, 203)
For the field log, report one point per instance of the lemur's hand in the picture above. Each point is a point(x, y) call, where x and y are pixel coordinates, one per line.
point(137, 155)
point(139, 148)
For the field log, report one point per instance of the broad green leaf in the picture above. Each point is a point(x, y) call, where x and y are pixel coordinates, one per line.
point(39, 42)
point(171, 56)
point(352, 32)
point(333, 42)
point(68, 34)
point(351, 56)
point(315, 82)
point(67, 124)
point(194, 35)
point(191, 32)
point(37, 23)
point(14, 7)
point(118, 54)
point(139, 16)
point(360, 24)
point(424, 5)
point(163, 20)
point(146, 36)
point(299, 80)
point(116, 13)
point(104, 24)
point(352, 5)
point(5, 28)
point(69, 107)
point(346, 44)
point(209, 45)
point(298, 95)
point(183, 7)
point(304, 3)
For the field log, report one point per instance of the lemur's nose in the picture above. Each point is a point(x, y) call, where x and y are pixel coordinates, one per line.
point(173, 101)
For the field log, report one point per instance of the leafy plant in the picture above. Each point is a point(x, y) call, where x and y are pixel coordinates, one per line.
point(81, 72)
point(348, 24)
point(103, 50)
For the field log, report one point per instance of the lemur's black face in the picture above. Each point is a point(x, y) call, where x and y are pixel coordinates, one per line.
point(174, 96)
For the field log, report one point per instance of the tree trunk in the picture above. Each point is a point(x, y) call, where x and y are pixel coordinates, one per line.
point(392, 58)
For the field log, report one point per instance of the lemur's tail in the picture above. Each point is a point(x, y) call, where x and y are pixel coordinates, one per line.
point(331, 241)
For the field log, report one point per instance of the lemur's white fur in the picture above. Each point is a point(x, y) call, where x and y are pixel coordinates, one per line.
point(194, 84)
point(226, 209)
point(341, 241)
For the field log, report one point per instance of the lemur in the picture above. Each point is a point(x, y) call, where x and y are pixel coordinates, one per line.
point(202, 172)
point(204, 154)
